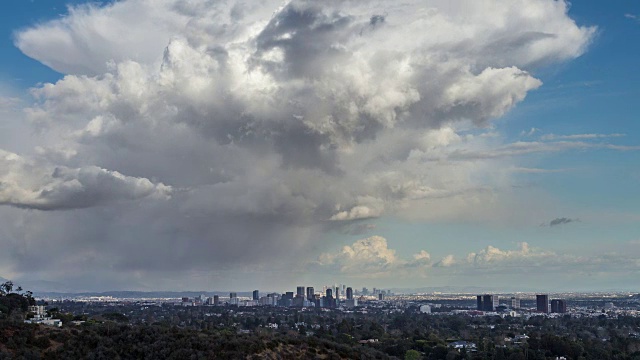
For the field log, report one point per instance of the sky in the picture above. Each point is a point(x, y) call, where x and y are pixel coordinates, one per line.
point(229, 145)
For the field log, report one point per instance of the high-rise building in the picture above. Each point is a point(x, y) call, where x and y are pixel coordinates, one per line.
point(300, 291)
point(310, 293)
point(329, 302)
point(349, 293)
point(337, 293)
point(256, 295)
point(558, 306)
point(479, 307)
point(233, 295)
point(542, 303)
point(216, 300)
point(490, 302)
point(381, 296)
point(515, 302)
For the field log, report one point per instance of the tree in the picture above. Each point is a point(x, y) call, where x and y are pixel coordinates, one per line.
point(411, 355)
point(6, 288)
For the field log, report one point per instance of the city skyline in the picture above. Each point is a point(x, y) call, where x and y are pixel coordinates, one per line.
point(184, 145)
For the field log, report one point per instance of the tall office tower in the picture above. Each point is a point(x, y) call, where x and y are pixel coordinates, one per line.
point(381, 296)
point(542, 303)
point(310, 293)
point(558, 306)
point(216, 300)
point(515, 302)
point(233, 295)
point(300, 291)
point(256, 295)
point(337, 293)
point(479, 303)
point(349, 293)
point(365, 291)
point(489, 302)
point(329, 301)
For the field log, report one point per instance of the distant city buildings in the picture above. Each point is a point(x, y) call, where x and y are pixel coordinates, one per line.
point(515, 302)
point(558, 306)
point(40, 317)
point(487, 302)
point(256, 295)
point(542, 303)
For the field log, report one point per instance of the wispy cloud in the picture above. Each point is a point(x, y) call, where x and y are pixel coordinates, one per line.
point(526, 170)
point(561, 221)
point(580, 136)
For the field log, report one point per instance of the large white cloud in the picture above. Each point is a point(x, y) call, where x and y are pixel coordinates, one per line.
point(273, 122)
point(28, 184)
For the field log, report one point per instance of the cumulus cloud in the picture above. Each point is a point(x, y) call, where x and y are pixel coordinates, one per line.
point(493, 255)
point(8, 103)
point(372, 257)
point(234, 130)
point(27, 184)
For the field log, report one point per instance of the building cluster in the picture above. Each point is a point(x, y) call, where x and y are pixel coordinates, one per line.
point(491, 303)
point(330, 297)
point(40, 317)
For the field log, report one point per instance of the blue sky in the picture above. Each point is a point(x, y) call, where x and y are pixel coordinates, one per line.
point(583, 118)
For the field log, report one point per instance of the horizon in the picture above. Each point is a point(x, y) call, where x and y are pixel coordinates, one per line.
point(202, 144)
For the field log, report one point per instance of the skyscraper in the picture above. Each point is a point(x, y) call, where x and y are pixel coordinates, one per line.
point(349, 293)
point(515, 302)
point(490, 302)
point(216, 300)
point(558, 306)
point(480, 307)
point(329, 302)
point(542, 303)
point(256, 295)
point(310, 293)
point(233, 295)
point(300, 291)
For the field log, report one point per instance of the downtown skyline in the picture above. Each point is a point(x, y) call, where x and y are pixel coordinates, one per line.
point(184, 145)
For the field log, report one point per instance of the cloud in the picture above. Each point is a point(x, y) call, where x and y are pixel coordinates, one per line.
point(371, 257)
point(562, 221)
point(579, 136)
point(493, 255)
point(357, 229)
point(25, 183)
point(213, 135)
point(446, 261)
point(8, 103)
point(537, 170)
